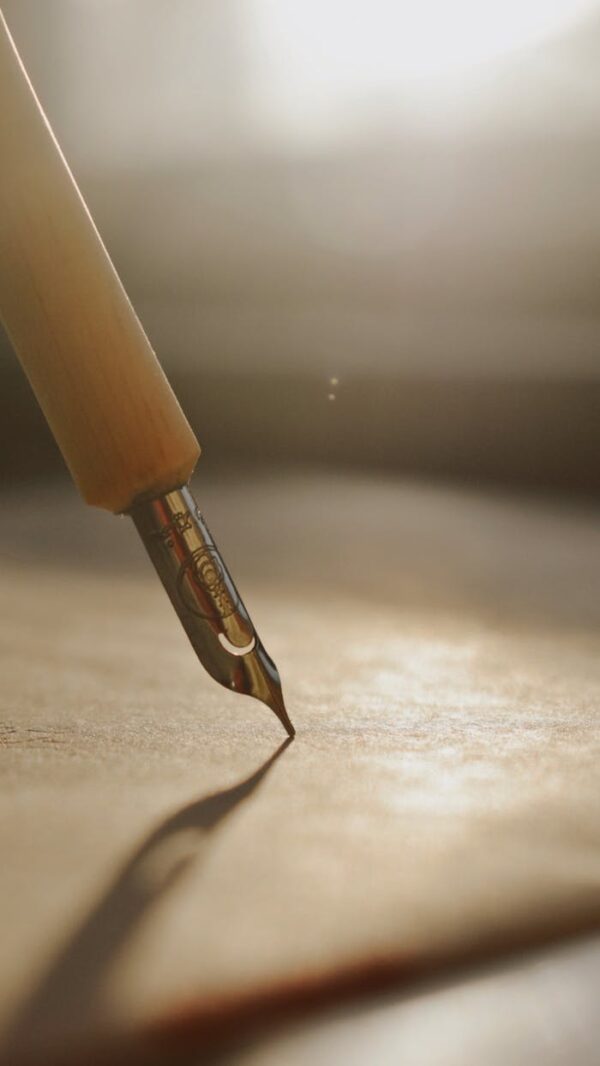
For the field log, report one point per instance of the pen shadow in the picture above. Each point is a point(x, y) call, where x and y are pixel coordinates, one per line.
point(74, 985)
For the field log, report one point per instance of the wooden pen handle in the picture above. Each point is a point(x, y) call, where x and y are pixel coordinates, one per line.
point(108, 403)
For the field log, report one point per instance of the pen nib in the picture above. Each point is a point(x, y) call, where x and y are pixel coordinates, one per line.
point(275, 700)
point(278, 706)
point(206, 600)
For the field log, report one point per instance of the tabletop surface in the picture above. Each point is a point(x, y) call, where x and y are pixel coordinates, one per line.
point(440, 804)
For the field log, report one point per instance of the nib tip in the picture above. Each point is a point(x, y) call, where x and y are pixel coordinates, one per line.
point(285, 720)
point(278, 707)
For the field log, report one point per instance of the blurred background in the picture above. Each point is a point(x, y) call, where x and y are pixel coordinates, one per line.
point(359, 233)
point(362, 235)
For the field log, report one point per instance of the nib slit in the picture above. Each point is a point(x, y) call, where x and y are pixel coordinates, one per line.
point(278, 707)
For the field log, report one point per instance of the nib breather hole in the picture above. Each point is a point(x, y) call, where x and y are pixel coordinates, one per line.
point(233, 649)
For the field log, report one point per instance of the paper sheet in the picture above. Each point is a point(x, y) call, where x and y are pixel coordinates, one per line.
point(439, 652)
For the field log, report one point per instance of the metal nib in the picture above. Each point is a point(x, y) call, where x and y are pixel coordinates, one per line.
point(209, 606)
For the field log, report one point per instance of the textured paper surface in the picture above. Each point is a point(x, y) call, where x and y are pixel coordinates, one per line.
point(439, 650)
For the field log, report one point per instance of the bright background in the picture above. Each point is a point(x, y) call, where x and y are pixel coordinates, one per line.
point(402, 197)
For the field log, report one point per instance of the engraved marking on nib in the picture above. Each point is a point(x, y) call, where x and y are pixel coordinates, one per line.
point(181, 523)
point(203, 587)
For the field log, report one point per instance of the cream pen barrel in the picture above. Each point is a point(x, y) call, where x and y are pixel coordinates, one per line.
point(109, 405)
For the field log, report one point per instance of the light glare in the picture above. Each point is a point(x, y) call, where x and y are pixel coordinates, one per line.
point(319, 56)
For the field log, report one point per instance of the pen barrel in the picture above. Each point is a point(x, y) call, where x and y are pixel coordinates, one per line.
point(108, 403)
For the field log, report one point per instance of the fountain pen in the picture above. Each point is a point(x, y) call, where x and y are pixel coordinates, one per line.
point(115, 418)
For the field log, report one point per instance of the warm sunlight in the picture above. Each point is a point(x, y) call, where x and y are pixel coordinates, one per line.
point(320, 54)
